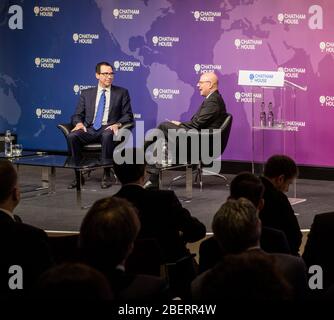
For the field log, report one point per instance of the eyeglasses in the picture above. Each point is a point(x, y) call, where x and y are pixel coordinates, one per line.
point(201, 82)
point(108, 74)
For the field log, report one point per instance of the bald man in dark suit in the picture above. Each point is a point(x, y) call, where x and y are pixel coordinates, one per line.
point(210, 115)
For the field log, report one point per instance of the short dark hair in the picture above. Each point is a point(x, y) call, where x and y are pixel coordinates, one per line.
point(131, 172)
point(72, 281)
point(103, 63)
point(278, 165)
point(107, 232)
point(251, 275)
point(235, 225)
point(248, 186)
point(8, 179)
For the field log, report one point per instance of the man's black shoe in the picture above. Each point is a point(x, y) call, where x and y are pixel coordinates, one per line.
point(73, 184)
point(106, 182)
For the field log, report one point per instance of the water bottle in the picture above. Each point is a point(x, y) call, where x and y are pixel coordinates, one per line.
point(164, 160)
point(8, 144)
point(270, 121)
point(263, 119)
point(169, 158)
point(166, 156)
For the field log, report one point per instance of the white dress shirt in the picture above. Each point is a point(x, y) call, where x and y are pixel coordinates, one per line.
point(107, 105)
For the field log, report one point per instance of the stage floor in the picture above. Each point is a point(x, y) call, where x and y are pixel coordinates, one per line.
point(59, 211)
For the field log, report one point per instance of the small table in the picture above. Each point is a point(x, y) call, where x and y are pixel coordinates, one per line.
point(29, 154)
point(51, 162)
point(23, 154)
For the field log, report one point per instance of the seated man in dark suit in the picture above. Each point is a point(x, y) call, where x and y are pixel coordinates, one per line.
point(20, 243)
point(248, 186)
point(210, 115)
point(100, 113)
point(160, 212)
point(237, 228)
point(279, 172)
point(107, 237)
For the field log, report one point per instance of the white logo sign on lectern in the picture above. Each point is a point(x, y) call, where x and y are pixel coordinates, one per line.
point(261, 78)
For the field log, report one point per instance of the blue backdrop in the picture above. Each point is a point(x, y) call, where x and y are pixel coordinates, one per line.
point(158, 49)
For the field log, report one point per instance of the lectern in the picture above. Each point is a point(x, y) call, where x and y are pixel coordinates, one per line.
point(270, 80)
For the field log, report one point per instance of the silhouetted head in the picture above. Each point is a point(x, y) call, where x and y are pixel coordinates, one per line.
point(132, 170)
point(72, 281)
point(281, 170)
point(108, 232)
point(248, 186)
point(236, 226)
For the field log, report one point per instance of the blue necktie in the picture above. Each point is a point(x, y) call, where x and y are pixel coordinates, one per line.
point(100, 110)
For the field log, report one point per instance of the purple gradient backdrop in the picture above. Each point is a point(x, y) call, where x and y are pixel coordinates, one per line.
point(206, 33)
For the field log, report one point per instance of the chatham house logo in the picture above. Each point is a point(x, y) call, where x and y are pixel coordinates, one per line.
point(165, 94)
point(125, 14)
point(85, 38)
point(45, 11)
point(202, 68)
point(206, 16)
point(247, 44)
point(77, 88)
point(167, 41)
point(246, 97)
point(261, 78)
point(38, 112)
point(46, 63)
point(326, 46)
point(326, 101)
point(126, 66)
point(49, 114)
point(292, 72)
point(291, 18)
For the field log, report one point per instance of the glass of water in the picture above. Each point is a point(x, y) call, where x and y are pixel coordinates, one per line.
point(17, 150)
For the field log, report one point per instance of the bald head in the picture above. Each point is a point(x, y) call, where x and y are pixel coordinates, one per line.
point(207, 83)
point(210, 76)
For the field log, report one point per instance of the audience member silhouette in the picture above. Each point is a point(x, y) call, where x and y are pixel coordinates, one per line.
point(237, 228)
point(107, 235)
point(72, 281)
point(246, 276)
point(279, 172)
point(248, 186)
point(160, 212)
point(319, 246)
point(21, 244)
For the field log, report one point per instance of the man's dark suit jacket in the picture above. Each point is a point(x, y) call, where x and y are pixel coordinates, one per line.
point(23, 245)
point(210, 114)
point(271, 241)
point(319, 246)
point(292, 268)
point(119, 110)
point(278, 213)
point(163, 217)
